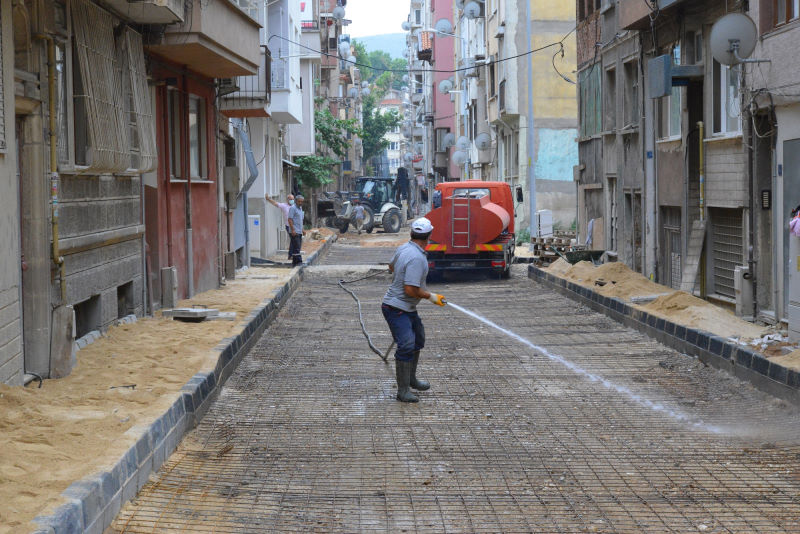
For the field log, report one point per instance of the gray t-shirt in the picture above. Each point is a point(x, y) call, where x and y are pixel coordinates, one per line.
point(358, 211)
point(410, 269)
point(296, 215)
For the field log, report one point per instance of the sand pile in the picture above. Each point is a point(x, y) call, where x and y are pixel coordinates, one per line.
point(677, 306)
point(617, 278)
point(73, 427)
point(791, 360)
point(688, 310)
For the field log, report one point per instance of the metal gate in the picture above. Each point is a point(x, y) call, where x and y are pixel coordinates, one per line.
point(671, 223)
point(727, 248)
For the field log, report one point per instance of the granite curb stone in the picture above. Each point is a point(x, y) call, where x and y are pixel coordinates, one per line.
point(93, 502)
point(712, 350)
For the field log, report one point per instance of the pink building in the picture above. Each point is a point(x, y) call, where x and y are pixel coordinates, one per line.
point(444, 109)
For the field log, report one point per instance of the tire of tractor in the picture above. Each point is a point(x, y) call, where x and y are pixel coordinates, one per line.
point(343, 228)
point(369, 229)
point(391, 221)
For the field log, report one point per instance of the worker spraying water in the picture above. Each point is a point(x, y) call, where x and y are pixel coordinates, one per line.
point(409, 268)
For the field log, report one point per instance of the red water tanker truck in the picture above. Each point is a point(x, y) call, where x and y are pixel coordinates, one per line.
point(473, 229)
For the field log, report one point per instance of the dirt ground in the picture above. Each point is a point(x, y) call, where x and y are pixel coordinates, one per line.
point(619, 281)
point(72, 427)
point(378, 238)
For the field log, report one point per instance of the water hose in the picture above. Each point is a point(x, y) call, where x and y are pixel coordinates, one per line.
point(384, 356)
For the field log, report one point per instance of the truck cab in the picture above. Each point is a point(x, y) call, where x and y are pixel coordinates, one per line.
point(473, 228)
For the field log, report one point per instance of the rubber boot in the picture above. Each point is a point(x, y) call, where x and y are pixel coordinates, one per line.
point(419, 385)
point(403, 372)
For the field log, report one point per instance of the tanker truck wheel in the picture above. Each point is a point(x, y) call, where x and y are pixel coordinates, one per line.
point(391, 221)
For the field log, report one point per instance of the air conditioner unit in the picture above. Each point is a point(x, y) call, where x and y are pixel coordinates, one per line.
point(471, 70)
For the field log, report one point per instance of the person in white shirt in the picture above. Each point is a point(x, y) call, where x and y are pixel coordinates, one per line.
point(284, 207)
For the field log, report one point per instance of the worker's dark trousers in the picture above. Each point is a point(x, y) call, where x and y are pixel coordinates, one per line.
point(295, 244)
point(407, 331)
point(289, 233)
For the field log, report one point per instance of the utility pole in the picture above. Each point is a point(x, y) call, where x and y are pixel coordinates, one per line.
point(534, 223)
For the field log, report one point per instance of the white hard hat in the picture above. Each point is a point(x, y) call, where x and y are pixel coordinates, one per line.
point(421, 226)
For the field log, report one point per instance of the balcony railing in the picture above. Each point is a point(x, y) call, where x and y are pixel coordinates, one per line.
point(254, 93)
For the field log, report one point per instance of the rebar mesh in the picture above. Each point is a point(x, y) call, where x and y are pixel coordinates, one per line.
point(307, 436)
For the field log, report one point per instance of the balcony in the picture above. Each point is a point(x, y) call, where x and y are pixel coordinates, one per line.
point(254, 92)
point(148, 11)
point(217, 39)
point(635, 14)
point(309, 26)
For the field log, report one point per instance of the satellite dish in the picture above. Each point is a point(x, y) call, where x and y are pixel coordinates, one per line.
point(733, 38)
point(445, 86)
point(449, 140)
point(338, 12)
point(462, 143)
point(404, 88)
point(406, 26)
point(460, 157)
point(483, 141)
point(344, 49)
point(407, 158)
point(365, 84)
point(444, 27)
point(472, 10)
point(365, 91)
point(352, 92)
point(352, 60)
point(405, 78)
point(460, 4)
point(405, 53)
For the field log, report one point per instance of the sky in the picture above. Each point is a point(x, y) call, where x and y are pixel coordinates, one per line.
point(376, 17)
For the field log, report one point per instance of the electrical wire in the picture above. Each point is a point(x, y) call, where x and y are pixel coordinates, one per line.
point(412, 71)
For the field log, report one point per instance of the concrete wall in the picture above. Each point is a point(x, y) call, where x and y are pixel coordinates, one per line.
point(264, 137)
point(100, 228)
point(11, 361)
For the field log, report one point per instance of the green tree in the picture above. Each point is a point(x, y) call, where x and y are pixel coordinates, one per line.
point(376, 125)
point(331, 134)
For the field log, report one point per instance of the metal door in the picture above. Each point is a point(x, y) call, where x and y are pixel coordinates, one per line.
point(791, 199)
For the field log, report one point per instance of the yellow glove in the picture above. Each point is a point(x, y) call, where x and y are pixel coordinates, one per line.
point(439, 300)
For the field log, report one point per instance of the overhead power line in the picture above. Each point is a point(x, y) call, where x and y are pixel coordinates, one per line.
point(559, 43)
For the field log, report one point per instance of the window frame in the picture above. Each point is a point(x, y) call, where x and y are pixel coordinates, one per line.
point(174, 106)
point(721, 73)
point(791, 12)
point(202, 145)
point(671, 107)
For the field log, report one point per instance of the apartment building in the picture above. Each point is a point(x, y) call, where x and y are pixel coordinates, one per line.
point(692, 184)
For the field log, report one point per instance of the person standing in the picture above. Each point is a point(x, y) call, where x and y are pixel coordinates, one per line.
point(410, 268)
point(284, 207)
point(358, 213)
point(296, 217)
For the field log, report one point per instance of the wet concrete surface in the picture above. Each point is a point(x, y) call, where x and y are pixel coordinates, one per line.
point(307, 436)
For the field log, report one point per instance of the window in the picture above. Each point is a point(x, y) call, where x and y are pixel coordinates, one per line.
point(631, 95)
point(492, 83)
point(174, 133)
point(785, 11)
point(727, 105)
point(670, 108)
point(418, 16)
point(196, 138)
point(590, 104)
point(610, 100)
point(470, 193)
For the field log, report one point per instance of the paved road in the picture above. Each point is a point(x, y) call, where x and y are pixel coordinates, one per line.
point(306, 435)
